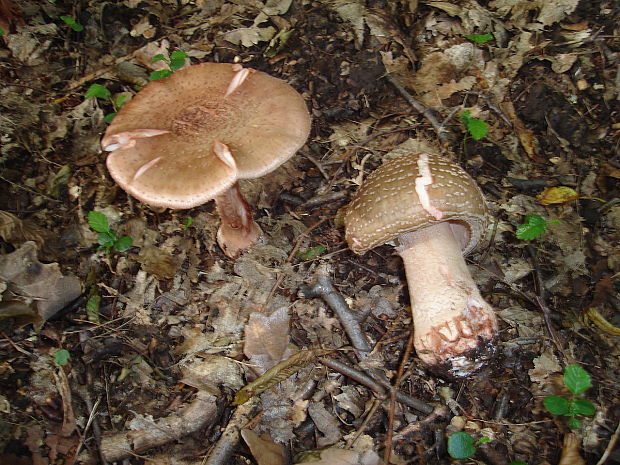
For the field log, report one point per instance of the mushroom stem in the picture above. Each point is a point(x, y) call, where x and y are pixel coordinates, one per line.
point(452, 322)
point(238, 230)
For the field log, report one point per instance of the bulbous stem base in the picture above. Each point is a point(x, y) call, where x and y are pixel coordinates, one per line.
point(453, 325)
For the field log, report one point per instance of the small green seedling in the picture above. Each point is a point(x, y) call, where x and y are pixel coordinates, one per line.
point(72, 23)
point(107, 239)
point(462, 446)
point(475, 127)
point(480, 38)
point(61, 357)
point(532, 227)
point(312, 253)
point(577, 381)
point(175, 62)
point(92, 308)
point(187, 223)
point(2, 32)
point(99, 91)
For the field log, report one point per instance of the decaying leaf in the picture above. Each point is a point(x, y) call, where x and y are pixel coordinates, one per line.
point(249, 36)
point(158, 262)
point(278, 373)
point(561, 194)
point(16, 231)
point(267, 339)
point(264, 449)
point(570, 451)
point(326, 422)
point(31, 280)
point(336, 456)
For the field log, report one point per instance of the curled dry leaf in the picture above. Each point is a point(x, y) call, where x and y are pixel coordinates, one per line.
point(264, 449)
point(32, 280)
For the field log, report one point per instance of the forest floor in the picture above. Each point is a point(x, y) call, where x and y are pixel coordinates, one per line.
point(135, 356)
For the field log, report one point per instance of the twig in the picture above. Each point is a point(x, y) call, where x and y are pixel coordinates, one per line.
point(324, 289)
point(376, 386)
point(442, 133)
point(610, 447)
point(195, 416)
point(318, 165)
point(225, 446)
point(290, 257)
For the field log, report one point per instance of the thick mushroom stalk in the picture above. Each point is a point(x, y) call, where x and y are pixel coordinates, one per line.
point(436, 214)
point(453, 324)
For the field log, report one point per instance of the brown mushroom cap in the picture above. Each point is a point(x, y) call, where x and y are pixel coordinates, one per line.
point(387, 205)
point(177, 121)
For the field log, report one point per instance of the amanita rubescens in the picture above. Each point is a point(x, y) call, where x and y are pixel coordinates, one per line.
point(187, 139)
point(435, 213)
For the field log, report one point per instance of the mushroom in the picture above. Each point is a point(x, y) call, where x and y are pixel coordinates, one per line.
point(189, 138)
point(436, 214)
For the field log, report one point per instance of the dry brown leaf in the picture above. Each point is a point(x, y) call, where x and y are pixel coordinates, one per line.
point(264, 450)
point(561, 194)
point(16, 231)
point(570, 451)
point(158, 262)
point(335, 456)
point(32, 280)
point(267, 339)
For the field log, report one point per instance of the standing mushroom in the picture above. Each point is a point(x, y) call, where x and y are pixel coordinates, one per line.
point(189, 138)
point(435, 213)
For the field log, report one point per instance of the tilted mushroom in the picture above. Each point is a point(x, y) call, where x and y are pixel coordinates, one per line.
point(189, 138)
point(435, 213)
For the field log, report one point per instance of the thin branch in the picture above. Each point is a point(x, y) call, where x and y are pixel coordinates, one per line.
point(442, 133)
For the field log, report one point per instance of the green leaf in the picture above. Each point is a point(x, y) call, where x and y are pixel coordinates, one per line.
point(158, 57)
point(109, 117)
point(583, 407)
point(70, 21)
point(123, 243)
point(157, 75)
point(92, 308)
point(557, 405)
point(177, 60)
point(61, 357)
point(483, 440)
point(312, 253)
point(476, 127)
point(517, 462)
point(98, 221)
point(119, 101)
point(480, 38)
point(574, 423)
point(189, 221)
point(97, 90)
point(576, 379)
point(532, 227)
point(461, 445)
point(106, 239)
point(2, 32)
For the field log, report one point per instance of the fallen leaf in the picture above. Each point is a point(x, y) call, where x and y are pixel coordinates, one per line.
point(267, 339)
point(32, 280)
point(264, 450)
point(249, 36)
point(561, 194)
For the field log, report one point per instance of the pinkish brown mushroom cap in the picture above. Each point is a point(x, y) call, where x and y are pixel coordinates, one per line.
point(163, 144)
point(434, 212)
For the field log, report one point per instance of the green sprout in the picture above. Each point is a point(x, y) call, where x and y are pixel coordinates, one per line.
point(480, 38)
point(107, 240)
point(577, 381)
point(99, 91)
point(187, 223)
point(532, 227)
point(92, 308)
point(476, 127)
point(61, 357)
point(2, 32)
point(72, 23)
point(312, 253)
point(175, 62)
point(462, 445)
